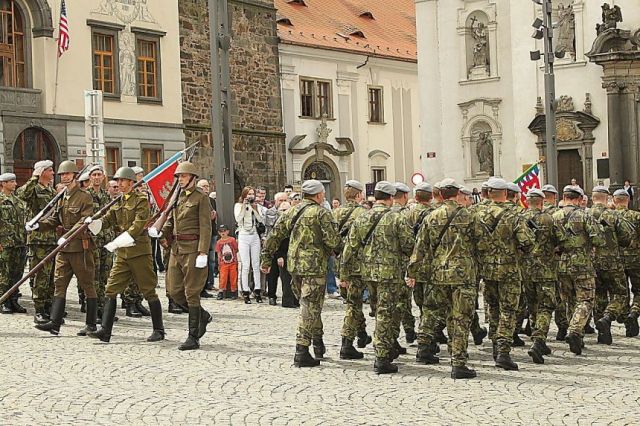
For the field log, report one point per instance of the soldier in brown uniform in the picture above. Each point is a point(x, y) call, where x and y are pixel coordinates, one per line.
point(77, 257)
point(189, 227)
point(133, 262)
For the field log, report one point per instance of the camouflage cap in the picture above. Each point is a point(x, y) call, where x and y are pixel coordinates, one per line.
point(424, 187)
point(573, 189)
point(535, 192)
point(401, 187)
point(449, 183)
point(600, 189)
point(513, 187)
point(386, 187)
point(312, 187)
point(7, 177)
point(355, 185)
point(497, 183)
point(549, 188)
point(621, 193)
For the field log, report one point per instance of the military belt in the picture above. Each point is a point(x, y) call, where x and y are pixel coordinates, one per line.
point(186, 237)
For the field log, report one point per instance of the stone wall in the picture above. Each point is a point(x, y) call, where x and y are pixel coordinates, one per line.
point(258, 140)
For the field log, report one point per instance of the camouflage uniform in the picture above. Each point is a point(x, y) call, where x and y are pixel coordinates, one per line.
point(12, 241)
point(453, 276)
point(631, 259)
point(417, 216)
point(314, 238)
point(384, 257)
point(611, 283)
point(39, 244)
point(103, 258)
point(560, 312)
point(578, 233)
point(403, 315)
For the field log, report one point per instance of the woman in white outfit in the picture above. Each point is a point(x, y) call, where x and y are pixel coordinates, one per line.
point(248, 219)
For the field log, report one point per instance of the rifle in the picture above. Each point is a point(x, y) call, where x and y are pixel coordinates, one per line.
point(160, 217)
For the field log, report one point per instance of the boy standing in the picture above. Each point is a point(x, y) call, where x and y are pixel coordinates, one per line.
point(227, 250)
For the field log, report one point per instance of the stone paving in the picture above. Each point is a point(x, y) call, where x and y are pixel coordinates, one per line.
point(244, 374)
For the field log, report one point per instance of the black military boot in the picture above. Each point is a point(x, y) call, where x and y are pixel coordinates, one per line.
point(384, 366)
point(441, 337)
point(410, 336)
point(15, 306)
point(303, 358)
point(562, 334)
point(205, 319)
point(398, 348)
point(479, 335)
point(140, 308)
point(536, 352)
point(575, 343)
point(173, 308)
point(41, 316)
point(504, 361)
point(7, 308)
point(426, 355)
point(258, 295)
point(192, 341)
point(205, 295)
point(57, 312)
point(527, 328)
point(546, 350)
point(517, 341)
point(363, 339)
point(588, 329)
point(82, 301)
point(462, 372)
point(108, 317)
point(347, 351)
point(604, 329)
point(318, 348)
point(155, 308)
point(90, 322)
point(132, 311)
point(221, 295)
point(631, 325)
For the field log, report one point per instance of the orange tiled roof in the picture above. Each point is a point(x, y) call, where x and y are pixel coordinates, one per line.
point(384, 28)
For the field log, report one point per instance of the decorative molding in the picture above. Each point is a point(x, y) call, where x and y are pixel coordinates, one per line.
point(148, 31)
point(106, 25)
point(379, 153)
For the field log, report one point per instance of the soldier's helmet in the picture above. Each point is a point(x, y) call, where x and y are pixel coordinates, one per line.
point(125, 173)
point(67, 166)
point(186, 167)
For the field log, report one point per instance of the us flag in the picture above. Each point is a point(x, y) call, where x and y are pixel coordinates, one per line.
point(63, 36)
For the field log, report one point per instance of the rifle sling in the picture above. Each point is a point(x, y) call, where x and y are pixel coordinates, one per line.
point(376, 221)
point(344, 221)
point(444, 229)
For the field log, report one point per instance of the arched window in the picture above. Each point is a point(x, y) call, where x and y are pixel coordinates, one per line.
point(12, 45)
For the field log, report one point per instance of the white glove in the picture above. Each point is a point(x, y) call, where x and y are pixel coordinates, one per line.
point(95, 226)
point(30, 227)
point(154, 233)
point(88, 220)
point(61, 241)
point(201, 261)
point(121, 241)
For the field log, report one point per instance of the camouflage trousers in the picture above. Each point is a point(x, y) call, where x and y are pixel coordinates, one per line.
point(12, 263)
point(541, 301)
point(578, 294)
point(503, 298)
point(634, 277)
point(560, 313)
point(373, 297)
point(611, 294)
point(418, 295)
point(402, 315)
point(456, 303)
point(423, 290)
point(42, 282)
point(385, 333)
point(132, 294)
point(104, 263)
point(310, 292)
point(354, 320)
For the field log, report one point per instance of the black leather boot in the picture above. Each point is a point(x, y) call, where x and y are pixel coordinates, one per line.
point(426, 355)
point(398, 348)
point(517, 341)
point(347, 351)
point(631, 325)
point(504, 361)
point(247, 299)
point(527, 328)
point(221, 295)
point(604, 329)
point(57, 312)
point(546, 350)
point(363, 339)
point(536, 352)
point(441, 337)
point(7, 308)
point(479, 335)
point(132, 311)
point(108, 317)
point(384, 366)
point(205, 319)
point(140, 308)
point(462, 372)
point(575, 343)
point(562, 334)
point(15, 306)
point(192, 341)
point(588, 329)
point(155, 309)
point(173, 308)
point(90, 322)
point(258, 295)
point(41, 316)
point(318, 348)
point(303, 358)
point(410, 336)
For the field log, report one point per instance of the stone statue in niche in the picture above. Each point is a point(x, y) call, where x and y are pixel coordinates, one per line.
point(481, 45)
point(566, 28)
point(610, 18)
point(484, 151)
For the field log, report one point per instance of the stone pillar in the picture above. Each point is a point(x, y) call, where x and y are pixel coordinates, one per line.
point(288, 81)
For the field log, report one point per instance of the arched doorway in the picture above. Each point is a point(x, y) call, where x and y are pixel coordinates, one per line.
point(32, 145)
point(323, 172)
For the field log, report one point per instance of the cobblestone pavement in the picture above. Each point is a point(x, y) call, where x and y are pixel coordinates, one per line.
point(243, 374)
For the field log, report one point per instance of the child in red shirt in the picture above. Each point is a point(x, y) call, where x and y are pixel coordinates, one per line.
point(227, 250)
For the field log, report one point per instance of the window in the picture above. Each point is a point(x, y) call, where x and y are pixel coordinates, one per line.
point(105, 61)
point(151, 158)
point(378, 174)
point(12, 45)
point(113, 160)
point(315, 98)
point(375, 105)
point(148, 67)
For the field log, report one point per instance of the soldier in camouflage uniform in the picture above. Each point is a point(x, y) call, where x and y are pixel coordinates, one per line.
point(631, 260)
point(382, 240)
point(313, 238)
point(501, 233)
point(479, 332)
point(12, 241)
point(513, 197)
point(446, 244)
point(540, 275)
point(611, 283)
point(36, 193)
point(578, 234)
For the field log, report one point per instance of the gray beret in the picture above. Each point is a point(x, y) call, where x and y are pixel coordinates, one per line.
point(497, 183)
point(312, 187)
point(83, 177)
point(137, 169)
point(535, 192)
point(466, 191)
point(424, 187)
point(95, 168)
point(549, 188)
point(6, 177)
point(485, 185)
point(386, 187)
point(44, 164)
point(355, 185)
point(600, 189)
point(401, 187)
point(437, 185)
point(449, 183)
point(621, 193)
point(573, 188)
point(513, 187)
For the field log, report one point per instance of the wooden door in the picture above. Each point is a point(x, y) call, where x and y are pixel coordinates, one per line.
point(32, 145)
point(569, 167)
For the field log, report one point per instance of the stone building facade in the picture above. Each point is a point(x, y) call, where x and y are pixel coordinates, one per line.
point(258, 140)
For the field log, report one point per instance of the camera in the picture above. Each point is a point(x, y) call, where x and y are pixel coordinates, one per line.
point(251, 199)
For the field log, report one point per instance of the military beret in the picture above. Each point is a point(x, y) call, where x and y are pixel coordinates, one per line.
point(386, 187)
point(485, 185)
point(513, 187)
point(497, 183)
point(621, 193)
point(84, 177)
point(95, 168)
point(7, 177)
point(573, 189)
point(401, 187)
point(44, 164)
point(600, 189)
point(312, 187)
point(293, 195)
point(535, 192)
point(355, 185)
point(449, 183)
point(424, 187)
point(465, 191)
point(437, 185)
point(549, 188)
point(137, 169)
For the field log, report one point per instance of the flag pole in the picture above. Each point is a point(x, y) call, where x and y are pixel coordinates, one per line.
point(55, 90)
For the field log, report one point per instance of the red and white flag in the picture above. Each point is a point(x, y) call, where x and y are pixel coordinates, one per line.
point(63, 30)
point(160, 180)
point(526, 181)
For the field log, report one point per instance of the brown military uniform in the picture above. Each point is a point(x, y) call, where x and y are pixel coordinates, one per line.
point(189, 227)
point(132, 264)
point(77, 257)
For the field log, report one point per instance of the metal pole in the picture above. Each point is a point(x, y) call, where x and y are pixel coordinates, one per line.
point(550, 96)
point(219, 37)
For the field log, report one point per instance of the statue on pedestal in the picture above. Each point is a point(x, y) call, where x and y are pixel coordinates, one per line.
point(610, 18)
point(484, 151)
point(480, 47)
point(566, 28)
